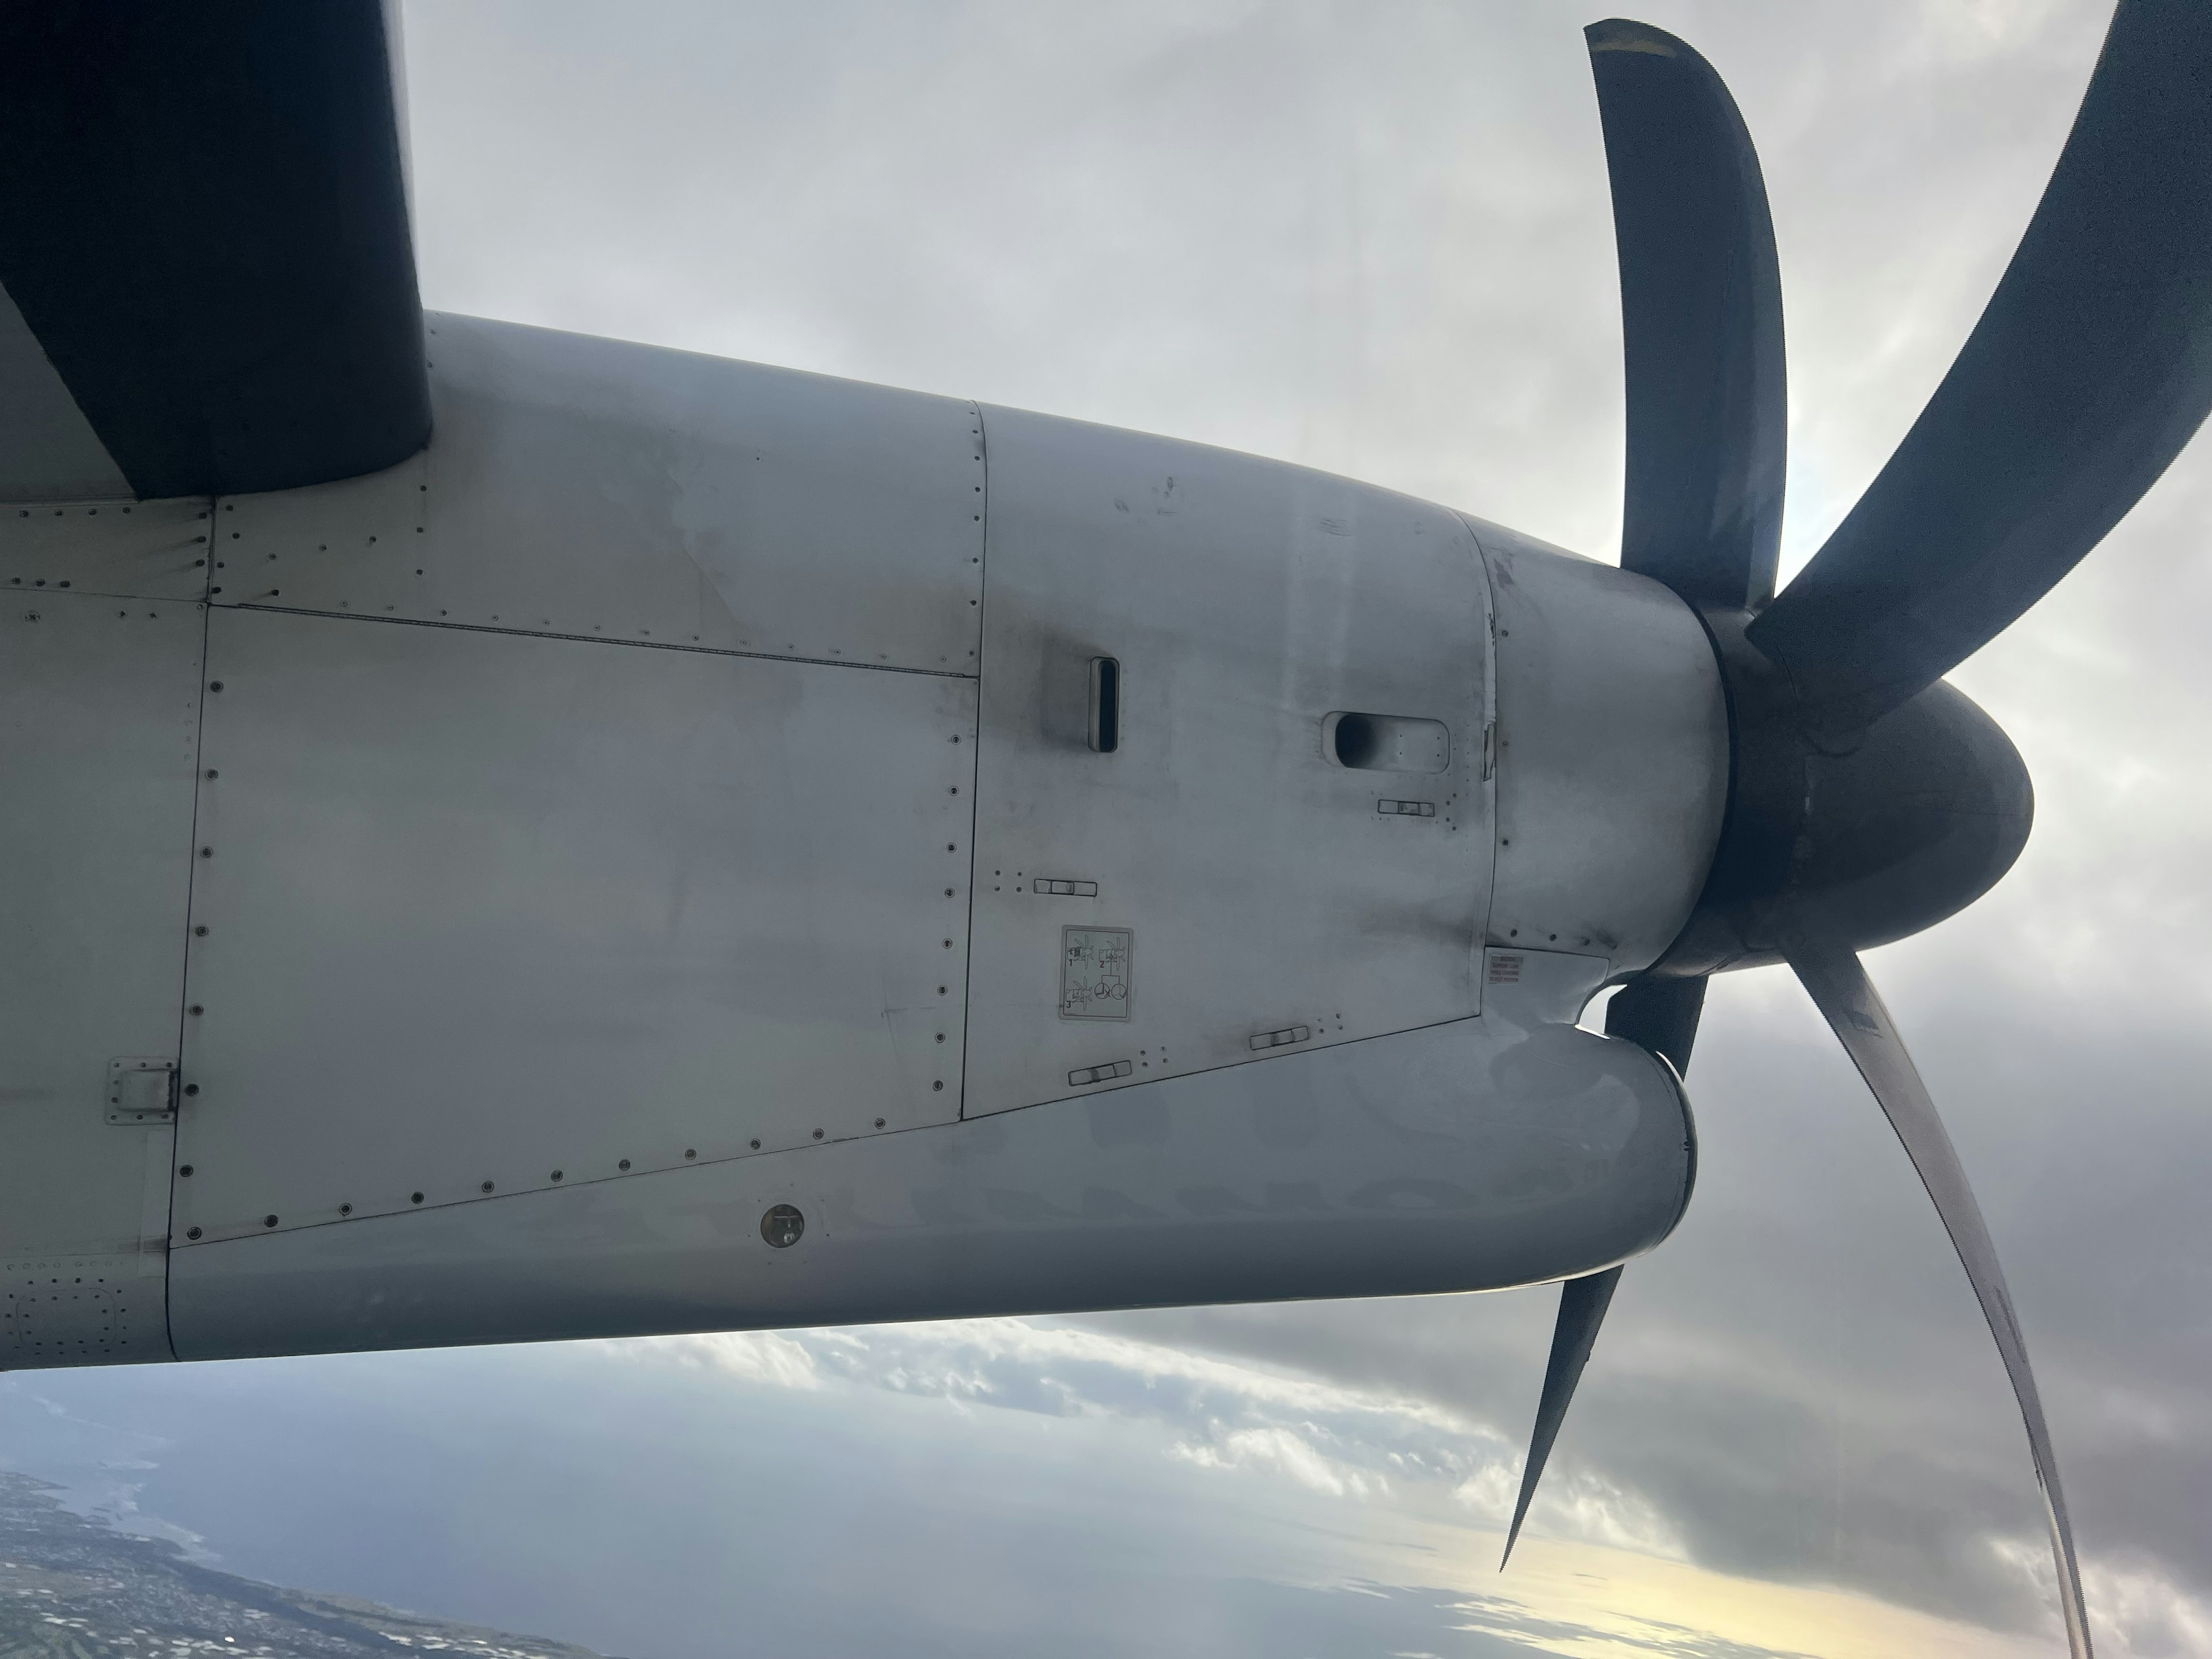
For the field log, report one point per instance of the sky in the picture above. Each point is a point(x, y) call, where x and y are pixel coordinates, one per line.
point(1375, 238)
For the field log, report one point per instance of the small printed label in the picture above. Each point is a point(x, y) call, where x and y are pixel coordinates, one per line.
point(1504, 969)
point(1094, 973)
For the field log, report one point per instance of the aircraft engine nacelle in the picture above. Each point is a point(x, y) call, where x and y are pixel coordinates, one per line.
point(703, 845)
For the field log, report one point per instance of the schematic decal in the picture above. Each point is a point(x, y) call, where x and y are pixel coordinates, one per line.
point(1094, 973)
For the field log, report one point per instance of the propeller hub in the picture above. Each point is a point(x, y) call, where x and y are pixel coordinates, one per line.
point(1854, 844)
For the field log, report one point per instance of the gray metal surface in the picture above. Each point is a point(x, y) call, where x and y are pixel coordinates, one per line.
point(487, 914)
point(1847, 1000)
point(48, 450)
point(606, 490)
point(99, 719)
point(1470, 1156)
point(1246, 602)
point(139, 549)
point(1612, 755)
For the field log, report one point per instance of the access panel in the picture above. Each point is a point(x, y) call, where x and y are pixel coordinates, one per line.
point(99, 717)
point(478, 913)
point(1232, 801)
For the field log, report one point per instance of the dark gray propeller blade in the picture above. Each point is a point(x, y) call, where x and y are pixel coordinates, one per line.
point(1847, 998)
point(1660, 1015)
point(1701, 321)
point(2089, 370)
point(1582, 1302)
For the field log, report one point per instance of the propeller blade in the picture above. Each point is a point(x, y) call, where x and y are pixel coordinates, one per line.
point(1701, 320)
point(1582, 1302)
point(2089, 370)
point(1660, 1015)
point(1847, 1000)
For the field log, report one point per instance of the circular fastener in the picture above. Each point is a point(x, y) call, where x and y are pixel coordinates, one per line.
point(783, 1225)
point(186, 1169)
point(207, 852)
point(941, 1037)
point(191, 1088)
point(200, 932)
point(938, 1085)
point(756, 1146)
point(191, 1232)
point(268, 1220)
point(817, 1134)
point(486, 1186)
point(625, 1164)
point(690, 1151)
point(941, 990)
point(214, 685)
point(415, 1198)
point(197, 1009)
point(880, 1123)
point(211, 772)
point(556, 1174)
point(345, 1209)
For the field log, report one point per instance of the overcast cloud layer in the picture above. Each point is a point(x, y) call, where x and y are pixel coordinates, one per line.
point(1375, 238)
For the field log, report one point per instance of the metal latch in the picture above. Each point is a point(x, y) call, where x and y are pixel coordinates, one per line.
point(142, 1088)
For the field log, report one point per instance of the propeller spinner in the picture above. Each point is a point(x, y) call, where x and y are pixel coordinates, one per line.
point(1868, 800)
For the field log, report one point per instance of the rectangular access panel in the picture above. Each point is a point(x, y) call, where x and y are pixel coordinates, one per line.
point(99, 717)
point(1231, 802)
point(485, 913)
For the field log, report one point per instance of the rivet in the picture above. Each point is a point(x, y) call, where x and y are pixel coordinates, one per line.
point(941, 1037)
point(415, 1198)
point(191, 1232)
point(690, 1151)
point(191, 1088)
point(186, 1170)
point(197, 1009)
point(948, 944)
point(200, 932)
point(556, 1174)
point(207, 852)
point(268, 1220)
point(817, 1134)
point(210, 771)
point(941, 990)
point(938, 1085)
point(948, 892)
point(880, 1123)
point(486, 1186)
point(756, 1146)
point(345, 1209)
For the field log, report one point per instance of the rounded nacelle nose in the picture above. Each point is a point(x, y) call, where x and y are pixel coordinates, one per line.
point(1920, 817)
point(1917, 822)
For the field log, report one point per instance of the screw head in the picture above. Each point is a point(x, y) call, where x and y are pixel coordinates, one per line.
point(186, 1169)
point(625, 1164)
point(756, 1146)
point(938, 1085)
point(191, 1088)
point(191, 1232)
point(415, 1198)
